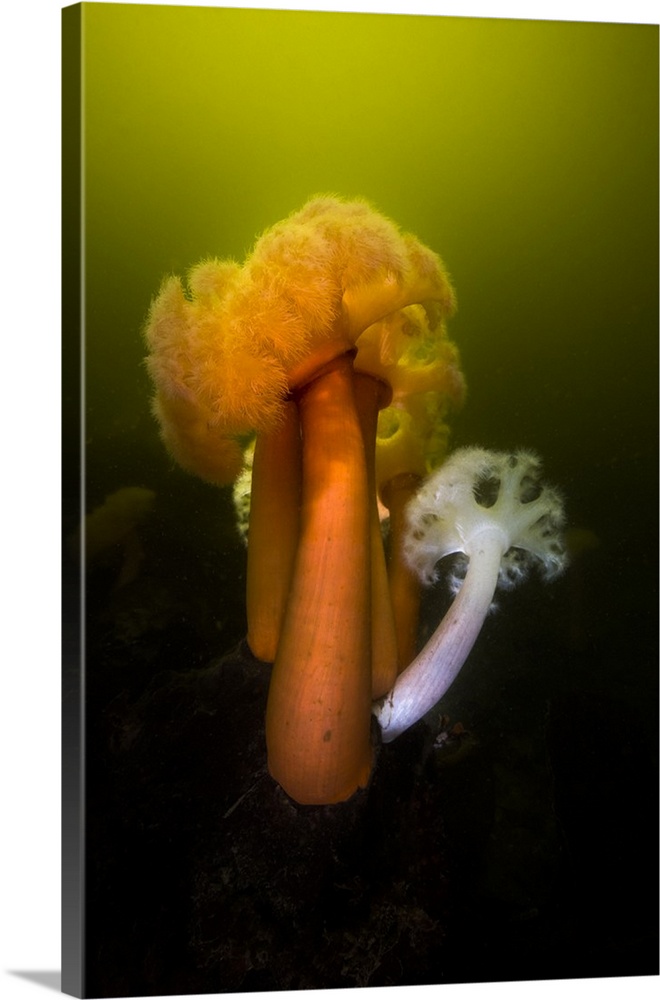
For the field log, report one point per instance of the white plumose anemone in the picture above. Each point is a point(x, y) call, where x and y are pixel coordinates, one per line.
point(492, 509)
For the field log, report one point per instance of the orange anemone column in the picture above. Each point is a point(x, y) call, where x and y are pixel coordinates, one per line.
point(318, 718)
point(371, 395)
point(273, 531)
point(404, 584)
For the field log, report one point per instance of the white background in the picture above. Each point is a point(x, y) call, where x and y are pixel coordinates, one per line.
point(29, 380)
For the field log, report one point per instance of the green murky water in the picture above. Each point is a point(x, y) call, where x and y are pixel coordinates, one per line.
point(525, 153)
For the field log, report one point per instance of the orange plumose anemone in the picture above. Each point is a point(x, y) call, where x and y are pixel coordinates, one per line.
point(271, 347)
point(421, 365)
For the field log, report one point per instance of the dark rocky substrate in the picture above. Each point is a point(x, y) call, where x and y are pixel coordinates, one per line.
point(514, 838)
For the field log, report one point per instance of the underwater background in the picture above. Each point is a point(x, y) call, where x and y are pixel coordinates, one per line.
point(525, 154)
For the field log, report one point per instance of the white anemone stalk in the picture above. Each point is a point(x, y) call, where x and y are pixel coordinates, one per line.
point(491, 508)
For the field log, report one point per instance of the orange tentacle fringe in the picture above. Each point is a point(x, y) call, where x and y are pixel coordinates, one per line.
point(273, 531)
point(318, 718)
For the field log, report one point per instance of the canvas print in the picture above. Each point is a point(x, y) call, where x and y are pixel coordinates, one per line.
point(359, 511)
